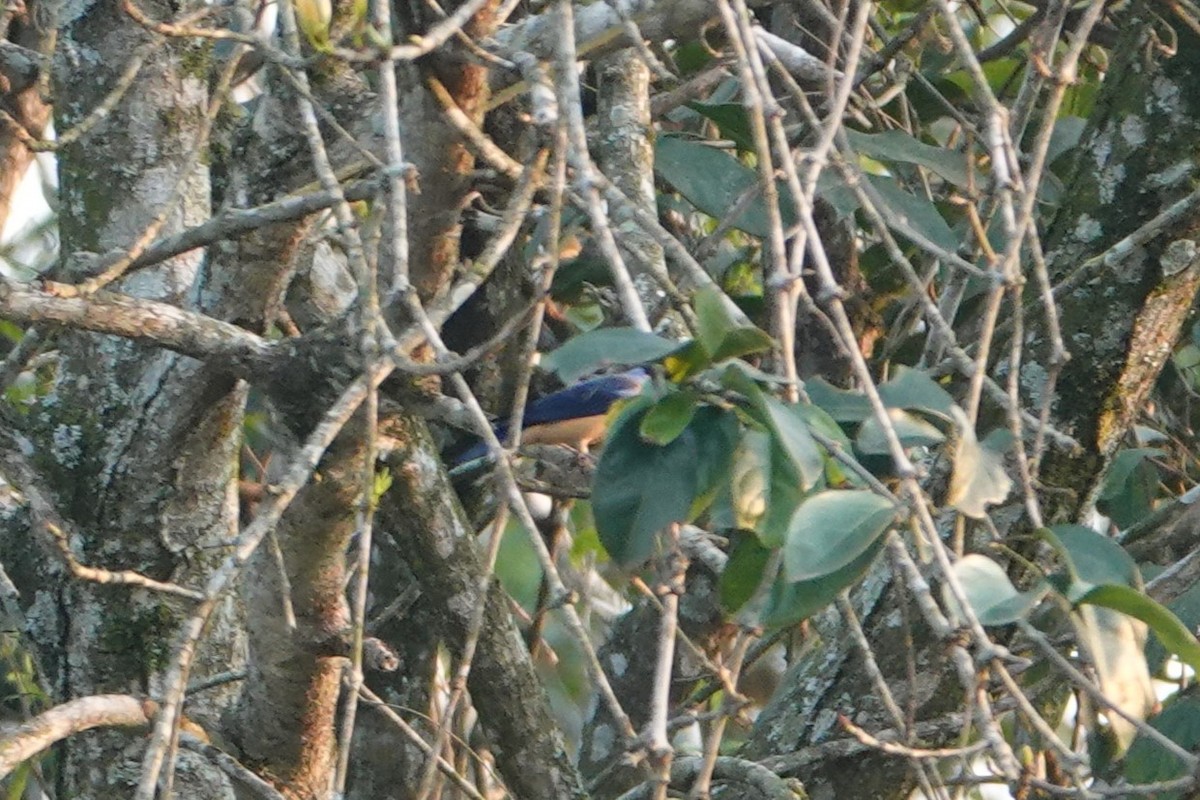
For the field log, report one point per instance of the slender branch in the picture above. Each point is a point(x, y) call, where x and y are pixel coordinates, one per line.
point(149, 321)
point(425, 747)
point(570, 104)
point(235, 223)
point(657, 743)
point(233, 768)
point(26, 740)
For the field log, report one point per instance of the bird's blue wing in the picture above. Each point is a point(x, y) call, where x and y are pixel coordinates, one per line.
point(587, 399)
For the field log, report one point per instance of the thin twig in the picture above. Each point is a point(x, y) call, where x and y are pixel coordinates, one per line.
point(571, 106)
point(413, 736)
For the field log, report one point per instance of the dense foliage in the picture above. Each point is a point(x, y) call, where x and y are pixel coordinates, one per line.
point(903, 503)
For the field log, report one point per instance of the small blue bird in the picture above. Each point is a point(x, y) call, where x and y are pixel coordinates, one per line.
point(573, 416)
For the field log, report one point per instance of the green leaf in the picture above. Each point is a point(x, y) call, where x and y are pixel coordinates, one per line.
point(785, 495)
point(668, 418)
point(1065, 137)
point(793, 602)
point(896, 203)
point(788, 427)
point(818, 421)
point(792, 434)
point(18, 781)
point(1173, 634)
point(383, 482)
point(743, 572)
point(712, 320)
point(741, 341)
point(1130, 486)
point(913, 432)
point(688, 360)
point(839, 404)
point(1123, 465)
point(989, 591)
point(1149, 762)
point(732, 120)
point(749, 481)
point(713, 181)
point(11, 331)
point(831, 529)
point(914, 390)
point(722, 336)
point(641, 488)
point(833, 190)
point(517, 566)
point(588, 352)
point(1092, 559)
point(691, 57)
point(909, 389)
point(901, 147)
point(585, 317)
point(717, 433)
point(1187, 608)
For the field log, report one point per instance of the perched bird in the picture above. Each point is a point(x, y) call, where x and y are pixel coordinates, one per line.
point(572, 416)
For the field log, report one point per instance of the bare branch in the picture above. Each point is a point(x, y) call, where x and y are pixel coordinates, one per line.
point(148, 321)
point(24, 741)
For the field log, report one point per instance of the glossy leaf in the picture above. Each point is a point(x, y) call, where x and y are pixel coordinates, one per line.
point(690, 359)
point(831, 529)
point(722, 336)
point(749, 481)
point(839, 404)
point(912, 430)
point(713, 182)
point(1065, 137)
point(743, 572)
point(731, 119)
point(668, 418)
point(787, 425)
point(792, 602)
point(1173, 634)
point(786, 494)
point(819, 422)
point(989, 591)
point(594, 350)
point(914, 390)
point(717, 434)
point(1130, 485)
point(1092, 559)
point(1187, 608)
point(792, 434)
point(743, 341)
point(640, 488)
point(1149, 762)
point(712, 320)
point(921, 215)
point(900, 146)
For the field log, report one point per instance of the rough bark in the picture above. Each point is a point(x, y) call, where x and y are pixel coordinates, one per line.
point(625, 153)
point(288, 708)
point(421, 518)
point(138, 445)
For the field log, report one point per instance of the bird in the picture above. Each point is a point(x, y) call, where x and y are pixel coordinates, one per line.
point(573, 416)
